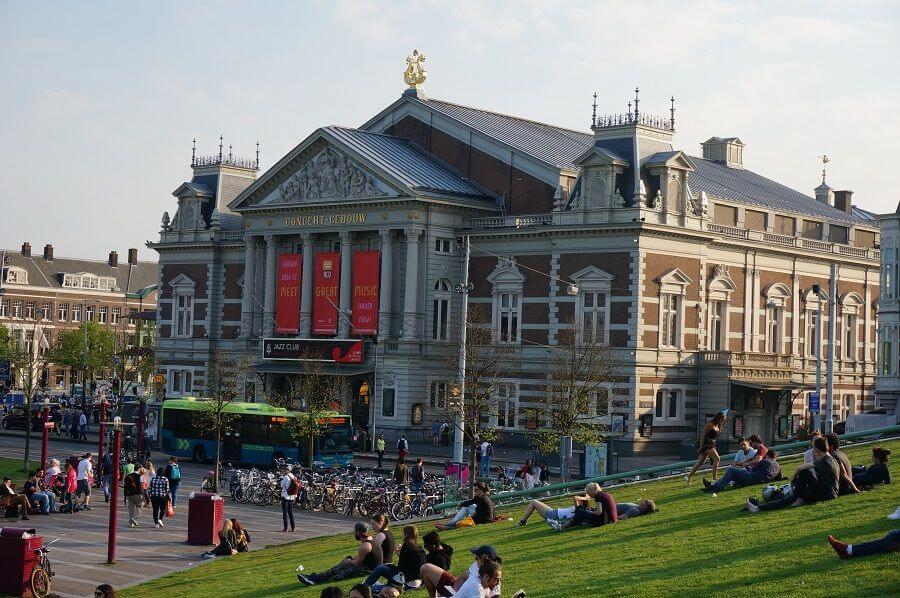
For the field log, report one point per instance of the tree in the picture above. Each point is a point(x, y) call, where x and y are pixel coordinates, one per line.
point(575, 403)
point(486, 362)
point(312, 394)
point(134, 361)
point(221, 391)
point(101, 349)
point(28, 362)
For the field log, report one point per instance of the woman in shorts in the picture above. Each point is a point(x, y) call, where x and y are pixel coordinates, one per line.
point(708, 449)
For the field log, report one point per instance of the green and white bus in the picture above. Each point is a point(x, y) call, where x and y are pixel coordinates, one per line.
point(259, 434)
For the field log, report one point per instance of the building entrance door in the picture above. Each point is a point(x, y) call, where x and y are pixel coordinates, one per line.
point(361, 408)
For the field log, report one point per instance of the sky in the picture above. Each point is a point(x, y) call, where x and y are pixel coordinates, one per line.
point(101, 100)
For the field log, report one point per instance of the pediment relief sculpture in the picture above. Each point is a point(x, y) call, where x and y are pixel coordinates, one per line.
point(329, 175)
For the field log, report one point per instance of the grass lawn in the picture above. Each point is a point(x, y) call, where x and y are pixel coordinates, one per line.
point(13, 469)
point(695, 545)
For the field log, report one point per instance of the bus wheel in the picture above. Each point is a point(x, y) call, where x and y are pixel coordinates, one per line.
point(200, 454)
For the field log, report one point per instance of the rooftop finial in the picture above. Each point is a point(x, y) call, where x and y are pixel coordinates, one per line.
point(629, 111)
point(825, 161)
point(194, 153)
point(415, 74)
point(220, 148)
point(672, 113)
point(594, 114)
point(636, 113)
point(229, 152)
point(257, 154)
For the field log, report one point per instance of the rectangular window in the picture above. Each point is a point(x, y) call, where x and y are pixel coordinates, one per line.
point(864, 238)
point(76, 312)
point(46, 311)
point(755, 220)
point(60, 378)
point(671, 304)
point(438, 396)
point(4, 308)
point(812, 230)
point(667, 404)
point(388, 400)
point(507, 406)
point(182, 382)
point(838, 234)
point(725, 215)
point(89, 313)
point(593, 317)
point(785, 225)
point(62, 312)
point(114, 315)
point(17, 309)
point(103, 314)
point(773, 329)
point(717, 325)
point(848, 338)
point(442, 245)
point(29, 310)
point(812, 331)
point(508, 320)
point(184, 315)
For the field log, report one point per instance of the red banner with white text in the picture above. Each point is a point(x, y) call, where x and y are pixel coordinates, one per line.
point(326, 293)
point(287, 302)
point(366, 276)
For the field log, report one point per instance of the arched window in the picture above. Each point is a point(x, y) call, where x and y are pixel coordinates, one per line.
point(440, 310)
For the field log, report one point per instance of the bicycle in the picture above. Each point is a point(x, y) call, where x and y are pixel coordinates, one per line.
point(42, 574)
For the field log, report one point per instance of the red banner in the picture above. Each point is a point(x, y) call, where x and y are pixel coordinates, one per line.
point(366, 275)
point(287, 306)
point(325, 299)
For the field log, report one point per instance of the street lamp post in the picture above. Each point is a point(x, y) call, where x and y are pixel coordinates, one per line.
point(45, 432)
point(101, 442)
point(829, 379)
point(114, 492)
point(463, 289)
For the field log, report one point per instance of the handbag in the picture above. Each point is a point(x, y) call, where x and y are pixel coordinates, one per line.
point(170, 509)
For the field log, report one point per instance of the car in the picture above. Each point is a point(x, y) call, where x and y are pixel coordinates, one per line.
point(15, 418)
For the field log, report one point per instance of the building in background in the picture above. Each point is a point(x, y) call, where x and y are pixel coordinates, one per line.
point(887, 382)
point(697, 271)
point(45, 294)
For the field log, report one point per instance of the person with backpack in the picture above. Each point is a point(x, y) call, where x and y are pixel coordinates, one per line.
point(106, 467)
point(173, 474)
point(290, 488)
point(402, 447)
point(487, 451)
point(134, 497)
point(417, 475)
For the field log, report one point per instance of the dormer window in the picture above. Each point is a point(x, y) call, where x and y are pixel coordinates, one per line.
point(16, 276)
point(86, 280)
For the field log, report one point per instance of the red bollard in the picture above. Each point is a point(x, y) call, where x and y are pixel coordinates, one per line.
point(114, 497)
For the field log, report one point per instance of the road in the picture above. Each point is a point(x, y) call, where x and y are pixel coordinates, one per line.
point(79, 558)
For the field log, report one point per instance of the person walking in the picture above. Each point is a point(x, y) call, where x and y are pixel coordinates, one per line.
point(70, 488)
point(402, 446)
point(159, 497)
point(708, 447)
point(417, 475)
point(487, 451)
point(172, 472)
point(83, 481)
point(290, 487)
point(134, 498)
point(401, 473)
point(82, 426)
point(379, 449)
point(106, 467)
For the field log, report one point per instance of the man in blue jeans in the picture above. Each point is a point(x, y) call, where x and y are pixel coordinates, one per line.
point(173, 473)
point(766, 470)
point(889, 543)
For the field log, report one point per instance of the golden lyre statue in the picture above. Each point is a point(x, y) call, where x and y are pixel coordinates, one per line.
point(415, 74)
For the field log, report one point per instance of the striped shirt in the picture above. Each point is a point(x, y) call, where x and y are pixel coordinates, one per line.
point(159, 486)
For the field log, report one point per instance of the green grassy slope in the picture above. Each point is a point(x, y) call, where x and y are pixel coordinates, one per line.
point(13, 469)
point(696, 544)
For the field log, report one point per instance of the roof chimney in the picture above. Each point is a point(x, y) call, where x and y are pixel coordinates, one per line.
point(132, 256)
point(48, 252)
point(26, 249)
point(725, 150)
point(114, 259)
point(842, 200)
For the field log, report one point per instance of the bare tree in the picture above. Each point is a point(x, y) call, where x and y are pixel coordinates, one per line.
point(312, 394)
point(575, 401)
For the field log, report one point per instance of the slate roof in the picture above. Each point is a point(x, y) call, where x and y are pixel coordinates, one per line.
point(556, 146)
point(41, 273)
point(748, 187)
point(229, 221)
point(406, 162)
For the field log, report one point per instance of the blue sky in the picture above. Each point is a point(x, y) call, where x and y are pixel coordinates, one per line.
point(101, 99)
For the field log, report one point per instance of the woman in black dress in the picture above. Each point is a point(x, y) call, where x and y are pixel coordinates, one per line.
point(708, 447)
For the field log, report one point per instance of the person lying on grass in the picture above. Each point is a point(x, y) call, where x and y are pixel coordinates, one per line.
point(811, 483)
point(624, 510)
point(480, 508)
point(889, 543)
point(604, 510)
point(876, 473)
point(766, 470)
point(440, 582)
point(368, 557)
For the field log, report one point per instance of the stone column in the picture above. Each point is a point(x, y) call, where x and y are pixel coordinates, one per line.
point(384, 298)
point(307, 284)
point(795, 313)
point(249, 277)
point(346, 283)
point(269, 302)
point(410, 302)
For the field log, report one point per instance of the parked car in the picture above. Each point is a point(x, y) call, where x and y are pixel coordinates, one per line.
point(16, 418)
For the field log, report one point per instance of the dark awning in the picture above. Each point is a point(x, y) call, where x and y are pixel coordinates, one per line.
point(327, 370)
point(774, 385)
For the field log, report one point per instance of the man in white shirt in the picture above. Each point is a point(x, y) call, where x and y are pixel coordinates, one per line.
point(746, 451)
point(82, 426)
point(83, 480)
point(487, 451)
point(288, 498)
point(485, 583)
point(808, 458)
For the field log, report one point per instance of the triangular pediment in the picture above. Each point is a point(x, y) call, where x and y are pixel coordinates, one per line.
point(671, 159)
point(598, 156)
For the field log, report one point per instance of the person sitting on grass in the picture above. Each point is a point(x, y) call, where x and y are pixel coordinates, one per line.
point(384, 537)
point(845, 483)
point(480, 508)
point(406, 572)
point(876, 473)
point(336, 592)
point(440, 582)
point(439, 554)
point(368, 557)
point(809, 456)
point(241, 537)
point(766, 470)
point(746, 451)
point(487, 584)
point(604, 511)
point(811, 483)
point(889, 543)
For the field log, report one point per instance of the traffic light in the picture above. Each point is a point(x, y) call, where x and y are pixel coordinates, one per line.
point(115, 385)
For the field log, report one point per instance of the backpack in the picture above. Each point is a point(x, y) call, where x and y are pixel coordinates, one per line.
point(294, 487)
point(490, 450)
point(131, 485)
point(174, 472)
